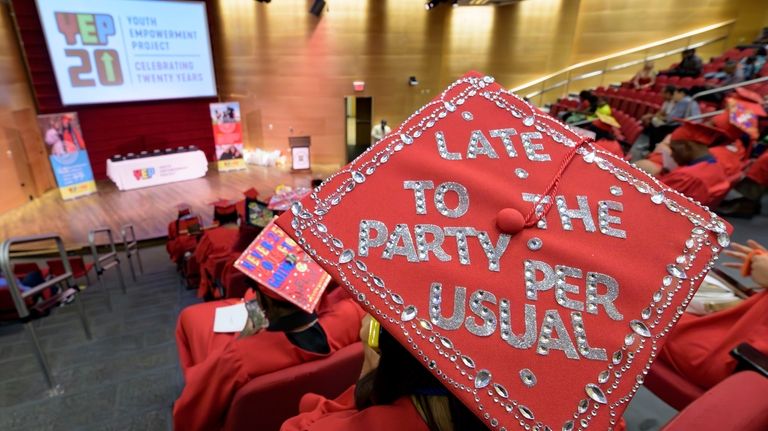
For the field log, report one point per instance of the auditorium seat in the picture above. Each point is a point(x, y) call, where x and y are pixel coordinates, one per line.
point(79, 267)
point(671, 387)
point(267, 401)
point(737, 403)
point(24, 268)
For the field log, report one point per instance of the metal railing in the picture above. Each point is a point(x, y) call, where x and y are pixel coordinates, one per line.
point(540, 91)
point(131, 247)
point(63, 282)
point(105, 261)
point(730, 87)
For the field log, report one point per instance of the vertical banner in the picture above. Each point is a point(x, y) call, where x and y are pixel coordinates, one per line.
point(66, 151)
point(228, 135)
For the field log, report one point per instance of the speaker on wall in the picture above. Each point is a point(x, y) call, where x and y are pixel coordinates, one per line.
point(317, 7)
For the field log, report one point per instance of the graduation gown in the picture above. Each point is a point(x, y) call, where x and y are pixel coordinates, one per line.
point(215, 244)
point(699, 347)
point(730, 157)
point(758, 171)
point(612, 146)
point(703, 181)
point(211, 385)
point(317, 413)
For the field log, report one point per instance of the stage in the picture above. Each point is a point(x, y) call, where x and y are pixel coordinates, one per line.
point(149, 209)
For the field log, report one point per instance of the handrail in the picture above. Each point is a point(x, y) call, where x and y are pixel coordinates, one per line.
point(131, 248)
point(730, 87)
point(110, 258)
point(19, 297)
point(566, 71)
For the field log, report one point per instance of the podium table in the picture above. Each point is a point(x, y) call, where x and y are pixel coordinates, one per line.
point(156, 170)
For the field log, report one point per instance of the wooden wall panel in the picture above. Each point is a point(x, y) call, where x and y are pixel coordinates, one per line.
point(291, 71)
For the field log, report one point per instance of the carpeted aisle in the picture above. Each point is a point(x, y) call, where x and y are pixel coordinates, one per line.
point(125, 378)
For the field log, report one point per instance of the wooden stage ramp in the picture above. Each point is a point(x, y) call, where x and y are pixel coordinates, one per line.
point(149, 209)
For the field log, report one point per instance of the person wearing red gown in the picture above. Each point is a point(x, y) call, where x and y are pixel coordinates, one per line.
point(699, 347)
point(216, 366)
point(179, 243)
point(215, 244)
point(699, 175)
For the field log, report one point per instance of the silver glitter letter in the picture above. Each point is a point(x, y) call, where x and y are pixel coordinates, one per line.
point(531, 284)
point(583, 213)
point(478, 144)
point(423, 247)
point(530, 148)
point(530, 197)
point(518, 342)
point(418, 188)
point(435, 307)
point(460, 190)
point(562, 286)
point(483, 312)
point(594, 299)
point(442, 148)
point(553, 323)
point(493, 253)
point(605, 219)
point(581, 340)
point(393, 247)
point(461, 234)
point(365, 241)
point(505, 135)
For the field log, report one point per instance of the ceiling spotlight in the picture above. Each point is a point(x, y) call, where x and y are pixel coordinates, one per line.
point(455, 3)
point(430, 5)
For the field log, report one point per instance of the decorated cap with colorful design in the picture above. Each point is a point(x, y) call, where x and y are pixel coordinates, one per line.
point(534, 274)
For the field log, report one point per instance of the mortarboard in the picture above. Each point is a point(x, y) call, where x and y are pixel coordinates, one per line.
point(723, 123)
point(251, 193)
point(183, 209)
point(224, 207)
point(698, 133)
point(534, 274)
point(749, 96)
point(743, 111)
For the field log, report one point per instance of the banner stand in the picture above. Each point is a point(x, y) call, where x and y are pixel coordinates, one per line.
point(228, 136)
point(67, 154)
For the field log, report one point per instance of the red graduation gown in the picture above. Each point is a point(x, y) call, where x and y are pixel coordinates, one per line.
point(612, 146)
point(214, 244)
point(704, 182)
point(212, 384)
point(729, 157)
point(699, 347)
point(317, 413)
point(758, 171)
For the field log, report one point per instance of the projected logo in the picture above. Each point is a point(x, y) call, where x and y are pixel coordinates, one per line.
point(100, 64)
point(144, 174)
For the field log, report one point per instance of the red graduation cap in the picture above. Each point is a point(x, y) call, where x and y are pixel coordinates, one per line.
point(535, 275)
point(699, 133)
point(749, 96)
point(224, 207)
point(251, 193)
point(183, 210)
point(722, 121)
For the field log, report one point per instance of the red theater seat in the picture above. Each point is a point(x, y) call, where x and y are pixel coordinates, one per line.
point(267, 401)
point(670, 386)
point(79, 267)
point(22, 269)
point(737, 403)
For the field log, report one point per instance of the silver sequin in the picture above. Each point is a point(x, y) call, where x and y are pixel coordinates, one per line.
point(535, 243)
point(479, 145)
point(462, 193)
point(488, 318)
point(364, 236)
point(530, 147)
point(527, 377)
point(467, 116)
point(459, 304)
point(521, 173)
point(442, 148)
point(593, 391)
point(419, 196)
point(400, 234)
point(505, 135)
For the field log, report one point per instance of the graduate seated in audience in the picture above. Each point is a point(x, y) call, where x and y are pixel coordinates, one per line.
point(698, 175)
point(214, 243)
point(699, 347)
point(394, 391)
point(587, 106)
point(217, 365)
point(750, 190)
point(25, 283)
point(179, 239)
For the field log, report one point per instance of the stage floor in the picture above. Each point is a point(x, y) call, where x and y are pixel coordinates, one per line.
point(149, 209)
